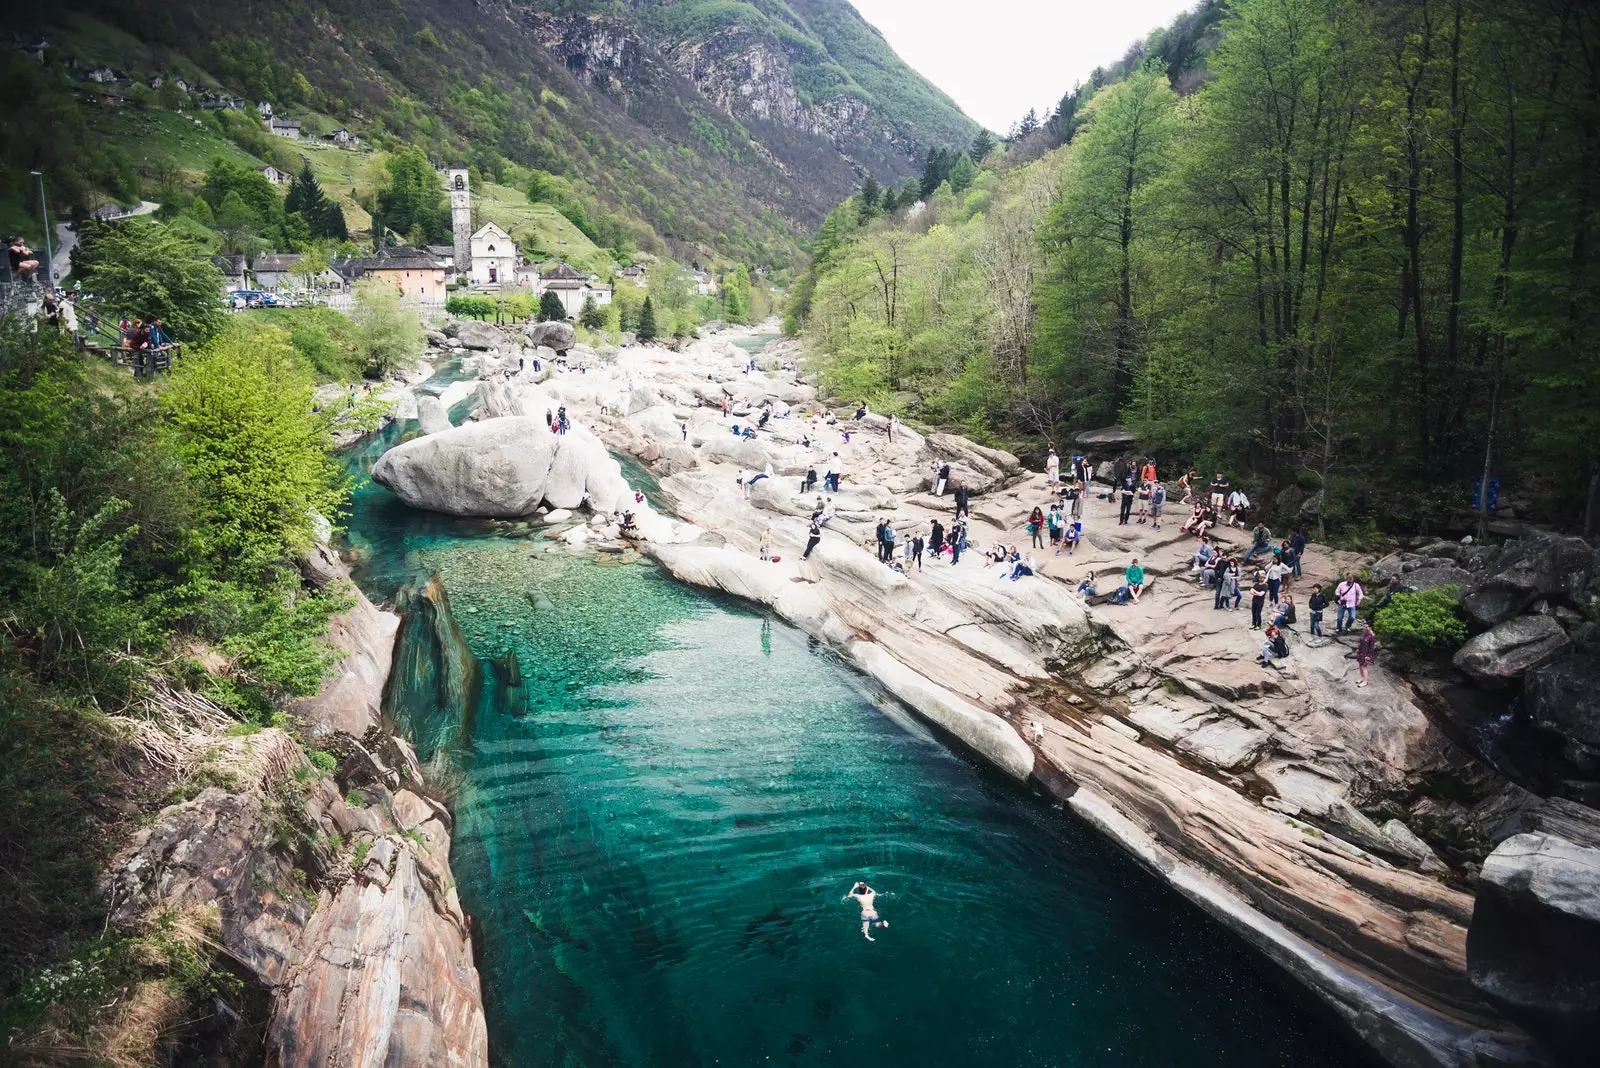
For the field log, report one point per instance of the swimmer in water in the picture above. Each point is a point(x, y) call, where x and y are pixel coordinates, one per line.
point(864, 896)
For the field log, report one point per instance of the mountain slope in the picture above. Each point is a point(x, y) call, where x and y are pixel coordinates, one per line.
point(719, 127)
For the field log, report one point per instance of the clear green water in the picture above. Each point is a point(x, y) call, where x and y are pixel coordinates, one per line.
point(755, 342)
point(657, 823)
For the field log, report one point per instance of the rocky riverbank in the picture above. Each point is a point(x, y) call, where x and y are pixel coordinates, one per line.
point(1338, 829)
point(327, 871)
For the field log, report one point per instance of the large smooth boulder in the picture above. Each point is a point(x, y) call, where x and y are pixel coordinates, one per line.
point(1498, 657)
point(432, 415)
point(497, 467)
point(1108, 438)
point(1563, 698)
point(554, 335)
point(484, 337)
point(1533, 948)
point(1538, 566)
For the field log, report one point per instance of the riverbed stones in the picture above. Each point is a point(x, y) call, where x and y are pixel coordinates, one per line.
point(497, 467)
point(1534, 945)
point(1536, 567)
point(431, 414)
point(1499, 656)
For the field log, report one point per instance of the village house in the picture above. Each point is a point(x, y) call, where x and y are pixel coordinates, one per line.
point(445, 254)
point(105, 75)
point(416, 272)
point(705, 283)
point(264, 109)
point(344, 138)
point(494, 257)
point(235, 272)
point(571, 286)
point(272, 174)
point(635, 274)
point(34, 49)
point(284, 128)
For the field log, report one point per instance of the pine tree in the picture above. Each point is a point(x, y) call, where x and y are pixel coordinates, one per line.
point(591, 316)
point(870, 195)
point(550, 308)
point(962, 174)
point(935, 170)
point(891, 203)
point(647, 321)
point(910, 192)
point(982, 144)
point(331, 222)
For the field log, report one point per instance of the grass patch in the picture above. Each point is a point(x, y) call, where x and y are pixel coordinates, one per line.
point(154, 135)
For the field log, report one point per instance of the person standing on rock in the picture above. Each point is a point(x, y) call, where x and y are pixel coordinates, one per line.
point(1297, 542)
point(1316, 605)
point(1052, 467)
point(915, 557)
point(813, 537)
point(1349, 594)
point(1036, 527)
point(961, 500)
point(877, 536)
point(936, 538)
point(893, 422)
point(1054, 522)
point(941, 476)
point(561, 418)
point(1275, 573)
point(888, 542)
point(958, 540)
point(830, 478)
point(724, 407)
point(1219, 578)
point(1134, 577)
point(1129, 487)
point(1219, 492)
point(1188, 489)
point(1158, 503)
point(766, 544)
point(1258, 601)
point(1366, 650)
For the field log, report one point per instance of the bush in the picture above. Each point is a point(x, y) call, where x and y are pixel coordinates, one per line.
point(1425, 620)
point(551, 309)
point(389, 332)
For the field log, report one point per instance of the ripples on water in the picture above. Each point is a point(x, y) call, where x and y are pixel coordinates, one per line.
point(657, 827)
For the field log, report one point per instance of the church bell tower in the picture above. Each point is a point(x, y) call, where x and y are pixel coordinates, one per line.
point(461, 220)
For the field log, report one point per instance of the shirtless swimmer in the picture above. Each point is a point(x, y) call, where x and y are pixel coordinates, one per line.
point(865, 895)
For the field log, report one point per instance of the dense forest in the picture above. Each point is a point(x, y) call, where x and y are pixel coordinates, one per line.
point(1343, 251)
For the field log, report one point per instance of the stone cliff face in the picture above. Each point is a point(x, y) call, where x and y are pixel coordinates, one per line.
point(735, 70)
point(332, 886)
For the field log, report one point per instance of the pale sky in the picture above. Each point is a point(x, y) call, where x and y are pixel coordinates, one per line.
point(1000, 58)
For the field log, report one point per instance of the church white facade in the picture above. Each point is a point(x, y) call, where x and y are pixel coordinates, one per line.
point(493, 256)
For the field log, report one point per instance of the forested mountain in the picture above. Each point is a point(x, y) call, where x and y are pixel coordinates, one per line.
point(1351, 263)
point(716, 127)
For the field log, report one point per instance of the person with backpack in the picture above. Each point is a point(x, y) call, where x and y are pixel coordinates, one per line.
point(1274, 647)
point(1158, 501)
point(1054, 522)
point(1036, 527)
point(1317, 605)
point(1349, 594)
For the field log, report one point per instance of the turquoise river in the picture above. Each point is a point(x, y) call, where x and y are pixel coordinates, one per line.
point(662, 798)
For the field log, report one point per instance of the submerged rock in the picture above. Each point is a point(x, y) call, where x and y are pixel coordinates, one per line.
point(1534, 945)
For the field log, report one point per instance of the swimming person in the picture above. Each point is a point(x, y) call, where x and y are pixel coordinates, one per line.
point(864, 896)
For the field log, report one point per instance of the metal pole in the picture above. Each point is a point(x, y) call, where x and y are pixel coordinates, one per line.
point(49, 253)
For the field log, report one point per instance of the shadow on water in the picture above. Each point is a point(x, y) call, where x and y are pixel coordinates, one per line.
point(663, 797)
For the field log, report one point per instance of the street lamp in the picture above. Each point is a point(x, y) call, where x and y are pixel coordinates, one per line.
point(49, 254)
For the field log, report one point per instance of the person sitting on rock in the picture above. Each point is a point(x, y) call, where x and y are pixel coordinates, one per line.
point(810, 480)
point(1134, 577)
point(1022, 567)
point(1086, 587)
point(1273, 647)
point(861, 411)
point(1072, 535)
point(1284, 616)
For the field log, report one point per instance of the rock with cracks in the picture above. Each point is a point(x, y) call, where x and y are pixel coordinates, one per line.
point(1500, 656)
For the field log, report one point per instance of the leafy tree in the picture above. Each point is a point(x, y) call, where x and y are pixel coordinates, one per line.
point(550, 308)
point(149, 271)
point(592, 317)
point(414, 200)
point(646, 330)
point(1425, 620)
point(470, 305)
point(252, 187)
point(736, 295)
point(200, 211)
point(237, 222)
point(910, 192)
point(388, 332)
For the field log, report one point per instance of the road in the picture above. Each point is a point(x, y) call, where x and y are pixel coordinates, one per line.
point(66, 237)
